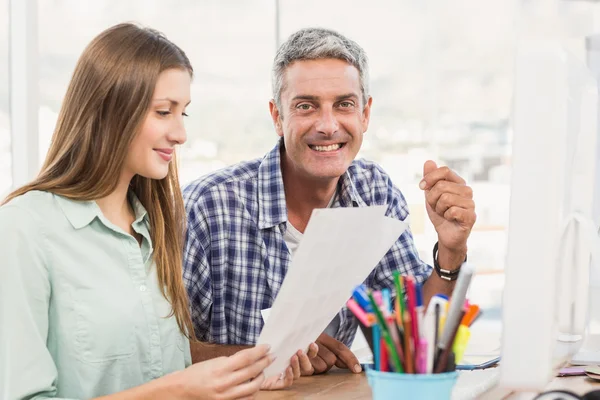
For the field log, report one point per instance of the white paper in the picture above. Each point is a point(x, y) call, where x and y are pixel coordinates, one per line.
point(339, 249)
point(359, 347)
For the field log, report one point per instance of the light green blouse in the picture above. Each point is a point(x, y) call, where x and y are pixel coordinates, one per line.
point(81, 312)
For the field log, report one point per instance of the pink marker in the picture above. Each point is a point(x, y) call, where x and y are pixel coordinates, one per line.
point(421, 366)
point(358, 312)
point(378, 297)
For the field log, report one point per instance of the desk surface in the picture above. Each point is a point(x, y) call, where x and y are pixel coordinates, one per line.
point(336, 384)
point(341, 384)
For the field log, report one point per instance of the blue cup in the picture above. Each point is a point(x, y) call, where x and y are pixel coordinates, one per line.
point(391, 385)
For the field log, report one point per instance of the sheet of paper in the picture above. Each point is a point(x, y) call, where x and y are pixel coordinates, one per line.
point(360, 347)
point(340, 247)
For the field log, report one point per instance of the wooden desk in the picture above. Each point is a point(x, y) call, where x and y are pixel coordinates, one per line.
point(336, 384)
point(342, 384)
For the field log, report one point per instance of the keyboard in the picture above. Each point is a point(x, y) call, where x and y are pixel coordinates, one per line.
point(471, 384)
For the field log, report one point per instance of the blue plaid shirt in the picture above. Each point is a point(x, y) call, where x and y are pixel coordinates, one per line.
point(235, 256)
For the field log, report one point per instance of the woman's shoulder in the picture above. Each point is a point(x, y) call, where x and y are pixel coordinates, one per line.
point(33, 205)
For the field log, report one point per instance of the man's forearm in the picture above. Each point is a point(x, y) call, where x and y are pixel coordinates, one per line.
point(434, 285)
point(205, 351)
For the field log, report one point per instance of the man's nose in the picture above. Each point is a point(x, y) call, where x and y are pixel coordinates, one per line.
point(327, 123)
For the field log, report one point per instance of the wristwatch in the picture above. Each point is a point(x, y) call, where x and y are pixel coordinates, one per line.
point(444, 273)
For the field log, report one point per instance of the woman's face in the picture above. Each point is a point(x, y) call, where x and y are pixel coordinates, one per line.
point(153, 148)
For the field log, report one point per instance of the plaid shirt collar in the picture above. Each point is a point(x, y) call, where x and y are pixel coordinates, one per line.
point(273, 211)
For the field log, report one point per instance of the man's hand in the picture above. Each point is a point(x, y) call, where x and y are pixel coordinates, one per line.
point(333, 352)
point(450, 206)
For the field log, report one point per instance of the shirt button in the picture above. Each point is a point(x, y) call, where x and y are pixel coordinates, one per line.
point(143, 288)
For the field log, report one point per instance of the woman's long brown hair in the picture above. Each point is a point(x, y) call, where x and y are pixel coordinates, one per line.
point(105, 105)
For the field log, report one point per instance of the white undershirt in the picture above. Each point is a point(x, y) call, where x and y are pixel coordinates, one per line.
point(293, 236)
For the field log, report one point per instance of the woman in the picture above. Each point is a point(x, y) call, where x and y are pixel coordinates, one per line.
point(91, 295)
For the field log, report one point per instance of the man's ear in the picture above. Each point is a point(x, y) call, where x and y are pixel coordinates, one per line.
point(276, 117)
point(366, 116)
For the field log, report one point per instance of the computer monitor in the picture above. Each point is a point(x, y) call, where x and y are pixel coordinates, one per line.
point(589, 353)
point(551, 233)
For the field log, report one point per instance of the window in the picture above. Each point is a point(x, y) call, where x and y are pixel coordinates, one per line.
point(442, 84)
point(230, 44)
point(5, 150)
point(441, 79)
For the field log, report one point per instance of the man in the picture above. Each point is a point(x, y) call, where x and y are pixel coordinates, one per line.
point(245, 221)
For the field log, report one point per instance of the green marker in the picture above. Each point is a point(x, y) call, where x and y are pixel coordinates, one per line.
point(386, 334)
point(399, 293)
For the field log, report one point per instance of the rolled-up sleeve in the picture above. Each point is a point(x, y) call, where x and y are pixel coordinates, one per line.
point(196, 272)
point(27, 370)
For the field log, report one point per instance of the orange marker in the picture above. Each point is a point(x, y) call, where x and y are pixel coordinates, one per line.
point(470, 315)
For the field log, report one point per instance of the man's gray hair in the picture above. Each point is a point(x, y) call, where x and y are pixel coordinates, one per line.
point(316, 44)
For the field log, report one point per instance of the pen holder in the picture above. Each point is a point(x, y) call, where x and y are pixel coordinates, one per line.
point(392, 385)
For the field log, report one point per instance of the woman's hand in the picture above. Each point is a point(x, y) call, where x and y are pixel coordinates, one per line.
point(300, 365)
point(239, 376)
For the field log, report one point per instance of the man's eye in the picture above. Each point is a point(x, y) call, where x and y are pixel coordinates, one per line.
point(304, 106)
point(346, 104)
